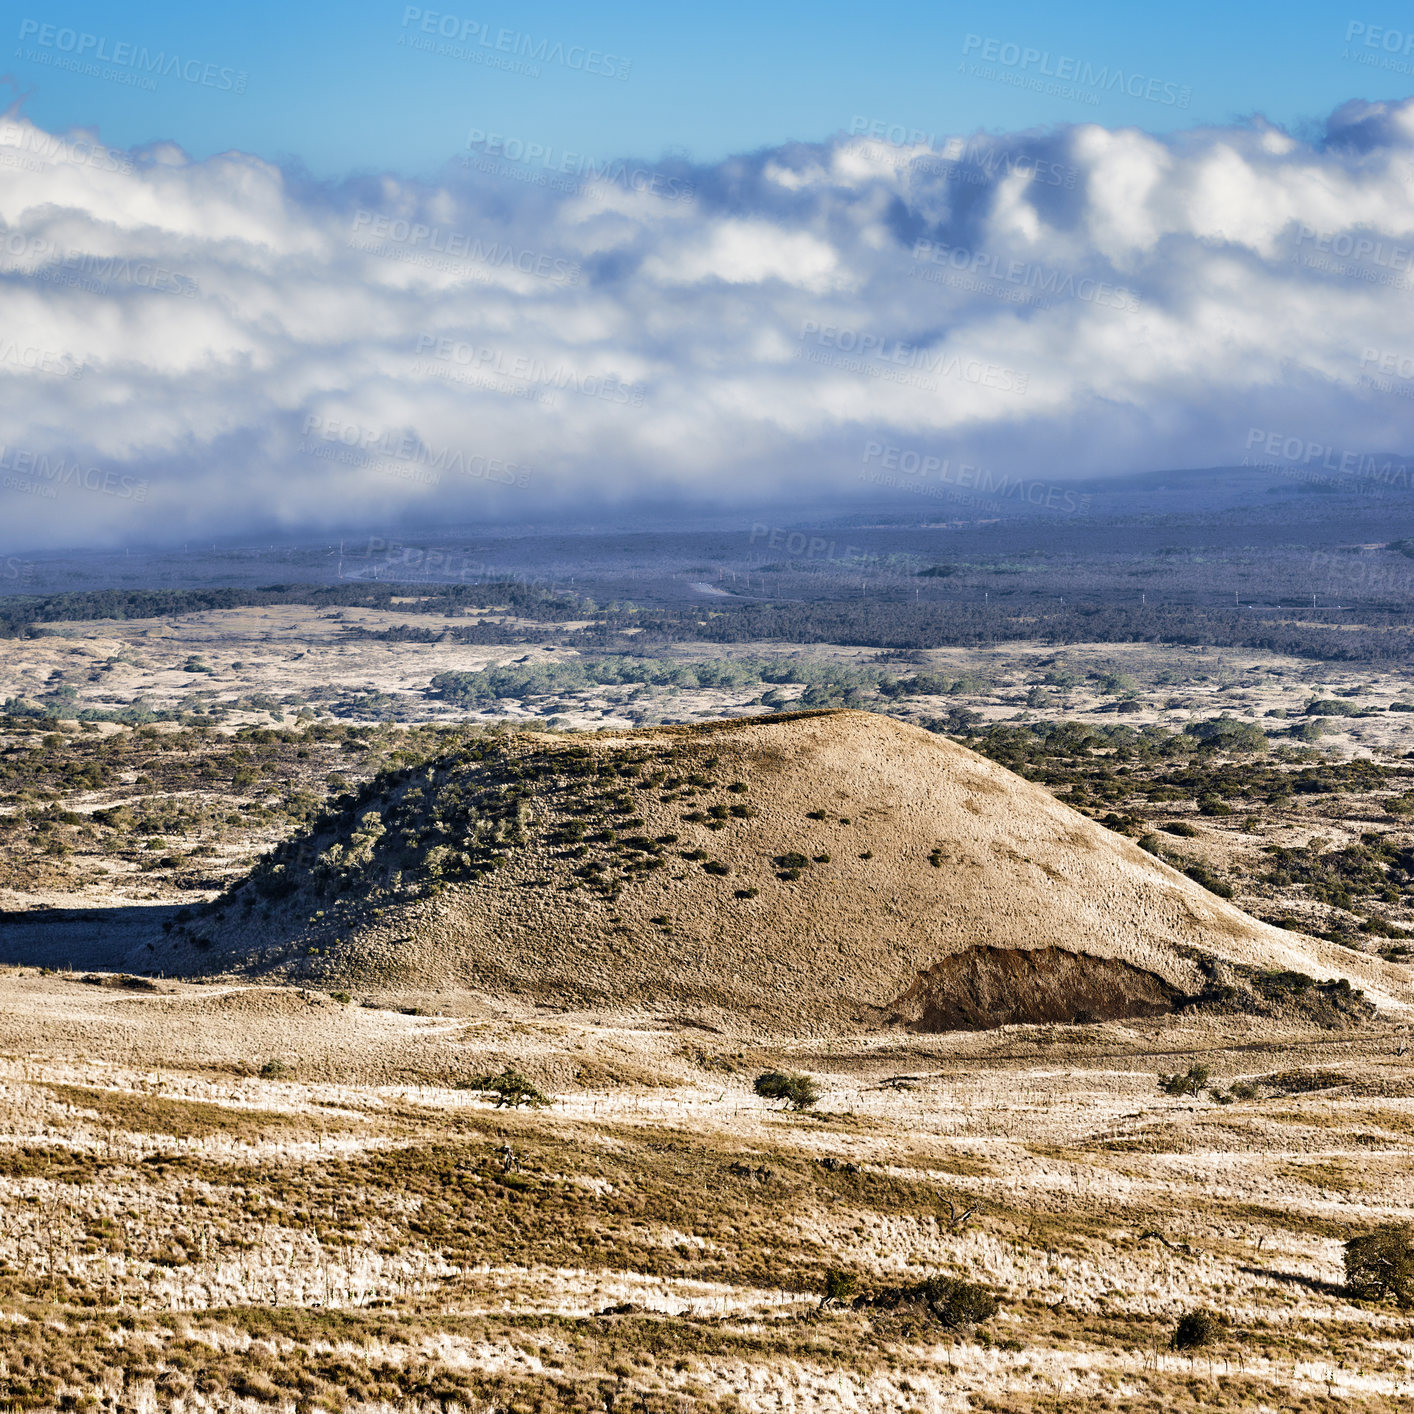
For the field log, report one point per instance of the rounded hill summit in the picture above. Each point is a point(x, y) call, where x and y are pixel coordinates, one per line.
point(796, 872)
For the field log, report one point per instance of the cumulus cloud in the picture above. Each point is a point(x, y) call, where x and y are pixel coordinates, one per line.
point(211, 346)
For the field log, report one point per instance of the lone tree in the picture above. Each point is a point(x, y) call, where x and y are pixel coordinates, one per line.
point(511, 1089)
point(798, 1091)
point(1196, 1329)
point(952, 1302)
point(841, 1287)
point(1190, 1083)
point(1380, 1265)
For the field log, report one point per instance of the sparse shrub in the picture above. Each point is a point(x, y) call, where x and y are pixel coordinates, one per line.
point(511, 1089)
point(343, 998)
point(1196, 1329)
point(1181, 828)
point(798, 1091)
point(1201, 874)
point(841, 1287)
point(1379, 1265)
point(952, 1302)
point(715, 866)
point(273, 1070)
point(747, 893)
point(1190, 1083)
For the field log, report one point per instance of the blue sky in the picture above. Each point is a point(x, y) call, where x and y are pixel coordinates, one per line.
point(1072, 254)
point(328, 84)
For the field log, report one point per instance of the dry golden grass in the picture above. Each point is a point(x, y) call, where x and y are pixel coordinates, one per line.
point(180, 1233)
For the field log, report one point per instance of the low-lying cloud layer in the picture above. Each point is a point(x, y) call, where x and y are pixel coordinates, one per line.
point(204, 347)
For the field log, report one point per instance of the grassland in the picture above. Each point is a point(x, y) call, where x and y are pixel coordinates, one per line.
point(229, 1196)
point(356, 1229)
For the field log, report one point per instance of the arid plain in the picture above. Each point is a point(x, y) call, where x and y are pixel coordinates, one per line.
point(227, 1191)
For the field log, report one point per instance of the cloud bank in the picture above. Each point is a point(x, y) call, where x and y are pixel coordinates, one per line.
point(210, 347)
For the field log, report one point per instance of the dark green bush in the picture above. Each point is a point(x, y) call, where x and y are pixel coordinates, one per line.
point(1379, 1265)
point(841, 1287)
point(1190, 1083)
point(1196, 1329)
point(511, 1089)
point(951, 1301)
point(798, 1091)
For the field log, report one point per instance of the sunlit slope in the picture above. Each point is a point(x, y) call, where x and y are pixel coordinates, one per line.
point(817, 869)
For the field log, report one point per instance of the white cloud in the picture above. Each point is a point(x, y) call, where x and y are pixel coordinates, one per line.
point(745, 333)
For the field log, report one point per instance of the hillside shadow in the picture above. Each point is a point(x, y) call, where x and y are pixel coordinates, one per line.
point(1318, 1285)
point(106, 939)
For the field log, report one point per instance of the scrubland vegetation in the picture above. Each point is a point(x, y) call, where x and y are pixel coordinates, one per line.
point(1020, 1222)
point(226, 1196)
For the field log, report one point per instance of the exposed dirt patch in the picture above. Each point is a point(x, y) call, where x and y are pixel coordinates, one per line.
point(988, 987)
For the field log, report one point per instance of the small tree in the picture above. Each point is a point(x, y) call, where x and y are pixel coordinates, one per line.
point(1195, 1329)
point(511, 1089)
point(959, 1303)
point(841, 1288)
point(952, 1302)
point(1380, 1265)
point(798, 1091)
point(1191, 1083)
